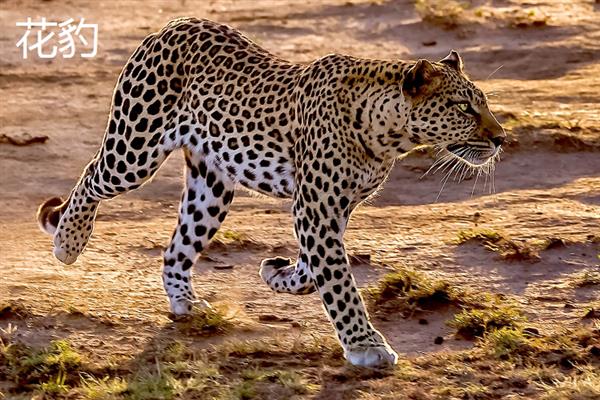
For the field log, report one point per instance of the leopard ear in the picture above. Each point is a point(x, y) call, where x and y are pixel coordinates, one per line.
point(418, 78)
point(453, 60)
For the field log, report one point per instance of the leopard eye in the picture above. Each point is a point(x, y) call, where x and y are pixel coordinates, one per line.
point(464, 107)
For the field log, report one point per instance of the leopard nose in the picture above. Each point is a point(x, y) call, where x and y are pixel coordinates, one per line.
point(491, 128)
point(493, 131)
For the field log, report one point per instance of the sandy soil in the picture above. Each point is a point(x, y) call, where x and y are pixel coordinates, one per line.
point(545, 86)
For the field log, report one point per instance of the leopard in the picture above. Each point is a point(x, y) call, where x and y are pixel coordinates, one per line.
point(325, 134)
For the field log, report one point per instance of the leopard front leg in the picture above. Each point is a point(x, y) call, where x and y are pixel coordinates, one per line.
point(320, 228)
point(204, 205)
point(286, 276)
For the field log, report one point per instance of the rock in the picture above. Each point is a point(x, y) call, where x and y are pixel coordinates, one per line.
point(220, 267)
point(24, 139)
point(531, 332)
point(273, 318)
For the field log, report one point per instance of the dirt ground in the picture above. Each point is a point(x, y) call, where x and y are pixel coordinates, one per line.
point(541, 68)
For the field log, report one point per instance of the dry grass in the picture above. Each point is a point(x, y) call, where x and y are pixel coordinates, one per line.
point(167, 370)
point(592, 311)
point(255, 382)
point(107, 388)
point(524, 18)
point(588, 277)
point(408, 291)
point(206, 321)
point(504, 362)
point(226, 239)
point(446, 14)
point(507, 248)
point(453, 14)
point(305, 346)
point(584, 386)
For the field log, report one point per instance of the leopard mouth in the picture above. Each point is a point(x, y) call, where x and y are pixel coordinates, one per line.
point(466, 159)
point(474, 154)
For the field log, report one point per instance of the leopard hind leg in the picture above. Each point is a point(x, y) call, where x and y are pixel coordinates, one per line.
point(205, 202)
point(141, 133)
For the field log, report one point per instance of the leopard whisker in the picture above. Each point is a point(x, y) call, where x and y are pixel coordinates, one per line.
point(449, 163)
point(437, 162)
point(473, 155)
point(458, 172)
point(443, 166)
point(461, 163)
point(466, 170)
point(470, 156)
point(475, 184)
point(485, 182)
point(444, 180)
point(494, 71)
point(493, 177)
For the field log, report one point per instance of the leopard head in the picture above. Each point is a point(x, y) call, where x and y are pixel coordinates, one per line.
point(449, 112)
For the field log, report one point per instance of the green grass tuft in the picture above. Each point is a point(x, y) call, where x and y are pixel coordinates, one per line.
point(227, 238)
point(487, 236)
point(152, 385)
point(475, 322)
point(107, 388)
point(55, 386)
point(231, 236)
point(207, 321)
point(505, 341)
point(50, 369)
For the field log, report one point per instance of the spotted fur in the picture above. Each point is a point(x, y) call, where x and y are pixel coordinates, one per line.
point(325, 134)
